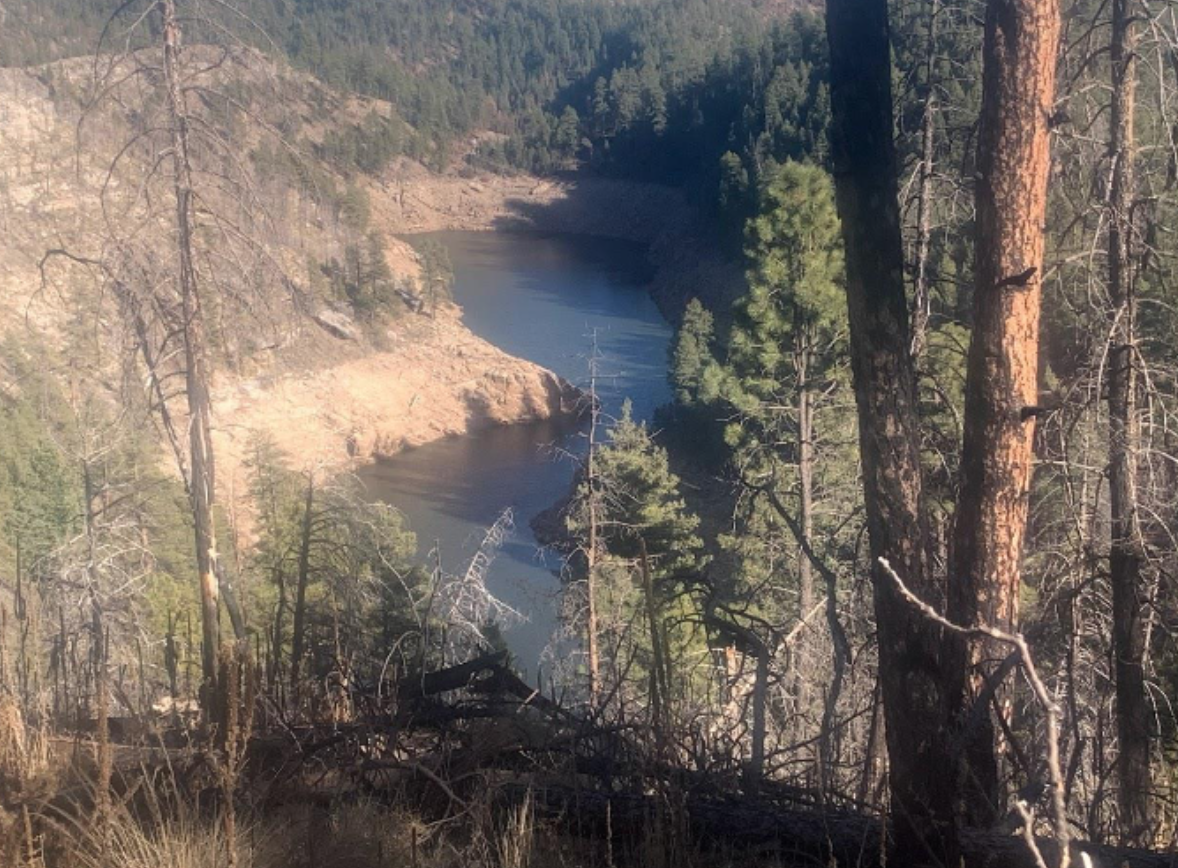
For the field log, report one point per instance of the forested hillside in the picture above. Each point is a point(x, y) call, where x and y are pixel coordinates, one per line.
point(890, 580)
point(653, 90)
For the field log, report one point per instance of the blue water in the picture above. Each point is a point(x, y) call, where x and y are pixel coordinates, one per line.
point(540, 297)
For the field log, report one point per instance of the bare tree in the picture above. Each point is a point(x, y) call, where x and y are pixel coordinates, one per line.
point(1127, 555)
point(211, 235)
point(464, 604)
point(921, 296)
point(592, 544)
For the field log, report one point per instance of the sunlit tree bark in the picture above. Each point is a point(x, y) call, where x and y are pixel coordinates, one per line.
point(1018, 90)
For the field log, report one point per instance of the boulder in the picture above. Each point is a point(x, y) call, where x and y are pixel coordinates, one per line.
point(337, 324)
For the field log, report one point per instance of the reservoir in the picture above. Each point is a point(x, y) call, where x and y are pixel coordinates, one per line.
point(543, 298)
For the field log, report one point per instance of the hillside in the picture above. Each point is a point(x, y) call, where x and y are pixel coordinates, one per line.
point(356, 391)
point(373, 388)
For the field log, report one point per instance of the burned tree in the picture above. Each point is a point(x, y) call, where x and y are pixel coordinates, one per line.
point(1127, 554)
point(175, 269)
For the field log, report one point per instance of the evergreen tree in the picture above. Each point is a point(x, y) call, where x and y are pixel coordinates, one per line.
point(793, 315)
point(691, 353)
point(641, 500)
point(648, 574)
point(790, 448)
point(567, 138)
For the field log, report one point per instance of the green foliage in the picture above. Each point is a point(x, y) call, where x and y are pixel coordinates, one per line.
point(691, 353)
point(355, 208)
point(368, 146)
point(795, 247)
point(362, 588)
point(794, 304)
point(437, 273)
point(654, 90)
point(640, 500)
point(40, 498)
point(787, 341)
point(638, 504)
point(363, 279)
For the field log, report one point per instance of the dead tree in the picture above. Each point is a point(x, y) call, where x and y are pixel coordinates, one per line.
point(1127, 554)
point(921, 296)
point(1018, 90)
point(593, 545)
point(174, 269)
point(202, 488)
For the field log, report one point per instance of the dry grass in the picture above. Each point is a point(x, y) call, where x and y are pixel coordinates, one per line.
point(24, 751)
point(516, 839)
point(364, 834)
point(184, 841)
point(151, 825)
point(24, 763)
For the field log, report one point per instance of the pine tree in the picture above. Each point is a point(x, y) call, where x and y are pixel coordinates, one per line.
point(788, 328)
point(785, 358)
point(567, 138)
point(646, 532)
point(641, 500)
point(691, 353)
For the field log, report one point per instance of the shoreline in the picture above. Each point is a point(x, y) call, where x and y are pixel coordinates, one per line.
point(685, 261)
point(368, 406)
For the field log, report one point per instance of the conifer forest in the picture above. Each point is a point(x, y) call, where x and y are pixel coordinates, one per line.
point(588, 433)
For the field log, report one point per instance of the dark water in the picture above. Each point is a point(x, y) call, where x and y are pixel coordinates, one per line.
point(540, 297)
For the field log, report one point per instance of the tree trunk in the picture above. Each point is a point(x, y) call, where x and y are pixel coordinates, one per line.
point(805, 480)
point(299, 625)
point(911, 676)
point(591, 554)
point(749, 643)
point(799, 668)
point(202, 488)
point(277, 636)
point(1018, 90)
point(660, 666)
point(1127, 555)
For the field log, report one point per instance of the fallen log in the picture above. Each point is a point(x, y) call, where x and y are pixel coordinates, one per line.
point(450, 678)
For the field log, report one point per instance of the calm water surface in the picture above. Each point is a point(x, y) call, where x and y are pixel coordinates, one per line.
point(540, 297)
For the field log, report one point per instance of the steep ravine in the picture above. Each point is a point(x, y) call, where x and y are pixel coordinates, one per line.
point(330, 397)
point(438, 379)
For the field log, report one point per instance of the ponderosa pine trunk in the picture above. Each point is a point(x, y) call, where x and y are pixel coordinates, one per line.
point(1018, 90)
point(1127, 555)
point(911, 676)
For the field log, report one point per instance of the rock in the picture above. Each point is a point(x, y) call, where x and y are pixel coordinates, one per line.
point(337, 324)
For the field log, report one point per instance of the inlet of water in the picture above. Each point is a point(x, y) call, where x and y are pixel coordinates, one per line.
point(540, 297)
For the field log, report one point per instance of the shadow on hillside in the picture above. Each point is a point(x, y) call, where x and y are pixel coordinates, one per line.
point(685, 256)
